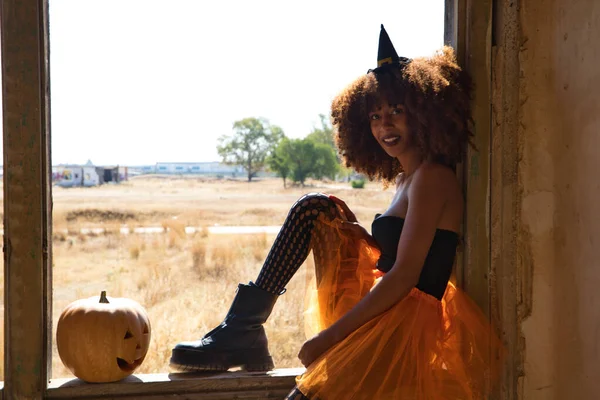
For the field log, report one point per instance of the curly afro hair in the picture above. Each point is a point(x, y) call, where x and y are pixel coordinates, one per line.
point(435, 93)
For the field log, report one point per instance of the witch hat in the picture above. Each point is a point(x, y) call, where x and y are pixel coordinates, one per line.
point(386, 54)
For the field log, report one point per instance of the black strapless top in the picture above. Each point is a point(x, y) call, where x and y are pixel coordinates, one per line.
point(437, 268)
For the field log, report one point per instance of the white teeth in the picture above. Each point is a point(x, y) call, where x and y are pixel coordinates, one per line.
point(391, 140)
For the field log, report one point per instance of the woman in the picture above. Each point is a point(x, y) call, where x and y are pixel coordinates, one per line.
point(390, 323)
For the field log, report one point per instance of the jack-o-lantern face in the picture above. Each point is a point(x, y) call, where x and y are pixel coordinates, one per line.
point(103, 339)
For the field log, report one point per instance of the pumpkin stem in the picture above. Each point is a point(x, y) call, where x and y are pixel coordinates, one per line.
point(103, 298)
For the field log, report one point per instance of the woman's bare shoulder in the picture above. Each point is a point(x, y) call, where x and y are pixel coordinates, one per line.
point(434, 181)
point(435, 174)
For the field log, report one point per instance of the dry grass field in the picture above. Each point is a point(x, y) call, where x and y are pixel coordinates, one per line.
point(185, 281)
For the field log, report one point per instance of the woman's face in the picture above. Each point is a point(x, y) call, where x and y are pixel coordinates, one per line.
point(388, 126)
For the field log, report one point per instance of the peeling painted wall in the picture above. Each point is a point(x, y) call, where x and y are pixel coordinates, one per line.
point(560, 196)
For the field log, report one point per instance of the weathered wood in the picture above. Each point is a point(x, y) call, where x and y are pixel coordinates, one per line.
point(454, 36)
point(228, 385)
point(26, 198)
point(455, 24)
point(477, 58)
point(477, 276)
point(254, 395)
point(450, 19)
point(261, 395)
point(467, 29)
point(508, 276)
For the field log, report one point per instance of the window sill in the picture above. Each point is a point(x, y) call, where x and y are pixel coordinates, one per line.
point(209, 386)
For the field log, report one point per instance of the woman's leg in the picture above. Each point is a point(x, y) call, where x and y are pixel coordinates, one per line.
point(292, 245)
point(240, 340)
point(296, 394)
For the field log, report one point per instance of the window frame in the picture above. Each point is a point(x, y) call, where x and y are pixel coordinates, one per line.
point(28, 216)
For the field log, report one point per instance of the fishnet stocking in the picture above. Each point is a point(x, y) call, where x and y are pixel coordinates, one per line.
point(293, 243)
point(296, 395)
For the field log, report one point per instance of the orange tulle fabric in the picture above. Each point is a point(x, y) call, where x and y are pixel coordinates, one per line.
point(420, 349)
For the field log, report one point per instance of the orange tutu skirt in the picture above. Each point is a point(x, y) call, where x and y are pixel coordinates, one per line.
point(421, 348)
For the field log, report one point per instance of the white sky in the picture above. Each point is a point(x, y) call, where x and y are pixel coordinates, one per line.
point(141, 81)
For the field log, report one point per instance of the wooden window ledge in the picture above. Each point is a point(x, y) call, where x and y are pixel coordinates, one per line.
point(274, 384)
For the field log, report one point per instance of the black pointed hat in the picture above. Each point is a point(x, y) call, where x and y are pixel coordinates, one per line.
point(386, 54)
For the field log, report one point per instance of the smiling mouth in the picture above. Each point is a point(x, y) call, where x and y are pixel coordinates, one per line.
point(125, 366)
point(391, 140)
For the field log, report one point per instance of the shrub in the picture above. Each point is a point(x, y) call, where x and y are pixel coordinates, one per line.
point(358, 184)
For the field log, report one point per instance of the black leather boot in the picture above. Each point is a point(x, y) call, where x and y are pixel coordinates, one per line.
point(239, 341)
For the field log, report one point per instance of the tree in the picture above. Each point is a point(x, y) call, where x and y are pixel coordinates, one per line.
point(250, 144)
point(306, 158)
point(326, 162)
point(324, 134)
point(278, 161)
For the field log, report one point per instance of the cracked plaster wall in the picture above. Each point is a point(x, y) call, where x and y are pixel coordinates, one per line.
point(560, 197)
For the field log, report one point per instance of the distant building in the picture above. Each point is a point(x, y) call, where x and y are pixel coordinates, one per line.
point(114, 174)
point(87, 175)
point(68, 175)
point(192, 168)
point(74, 175)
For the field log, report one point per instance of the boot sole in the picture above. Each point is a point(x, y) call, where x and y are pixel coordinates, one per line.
point(219, 368)
point(184, 360)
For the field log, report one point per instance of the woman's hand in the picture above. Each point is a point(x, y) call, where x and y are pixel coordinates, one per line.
point(314, 347)
point(350, 224)
point(347, 214)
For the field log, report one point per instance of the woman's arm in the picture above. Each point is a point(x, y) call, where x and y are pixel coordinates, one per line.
point(426, 200)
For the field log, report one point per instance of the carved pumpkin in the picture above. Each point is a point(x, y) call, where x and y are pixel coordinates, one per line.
point(103, 339)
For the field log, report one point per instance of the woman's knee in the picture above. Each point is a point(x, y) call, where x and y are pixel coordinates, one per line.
point(315, 203)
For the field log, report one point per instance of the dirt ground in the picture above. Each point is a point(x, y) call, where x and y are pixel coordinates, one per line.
point(200, 201)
